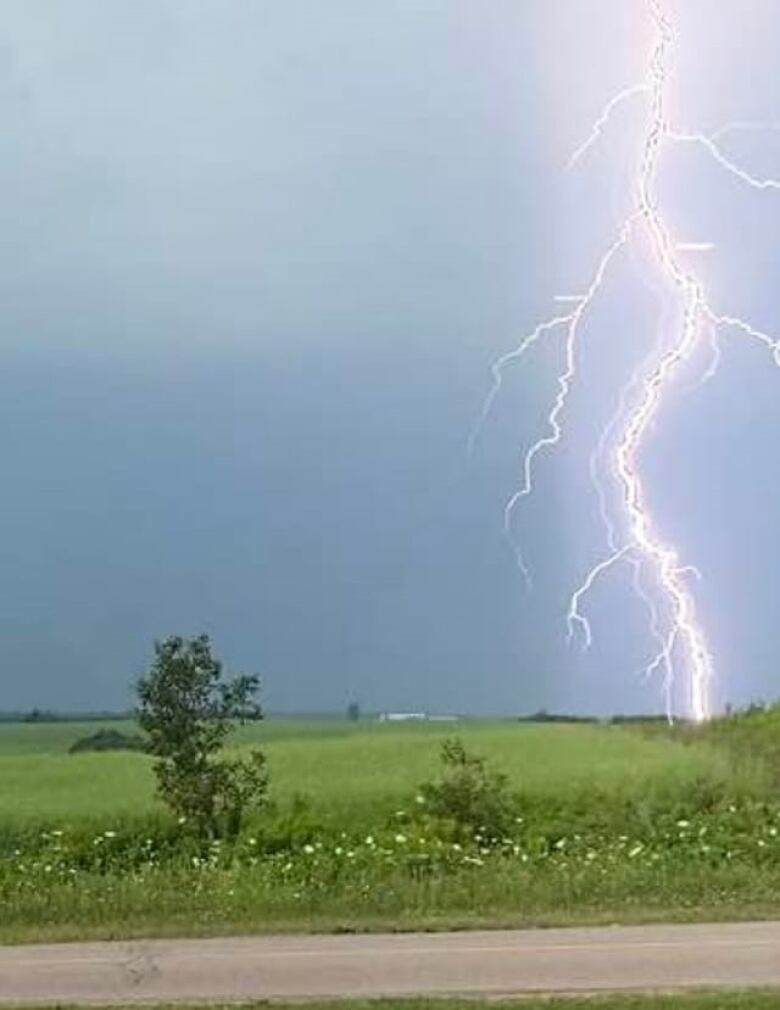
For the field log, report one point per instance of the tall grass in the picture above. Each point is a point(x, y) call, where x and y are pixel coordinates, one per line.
point(180, 897)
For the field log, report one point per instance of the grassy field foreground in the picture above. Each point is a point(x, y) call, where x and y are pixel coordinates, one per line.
point(610, 825)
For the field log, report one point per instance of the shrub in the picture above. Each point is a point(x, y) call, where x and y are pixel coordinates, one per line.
point(108, 739)
point(469, 797)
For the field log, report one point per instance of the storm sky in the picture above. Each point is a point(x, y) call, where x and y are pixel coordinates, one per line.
point(257, 258)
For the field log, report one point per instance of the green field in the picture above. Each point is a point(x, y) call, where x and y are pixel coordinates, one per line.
point(613, 824)
point(350, 772)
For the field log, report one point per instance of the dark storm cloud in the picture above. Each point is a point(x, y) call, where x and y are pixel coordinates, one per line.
point(255, 260)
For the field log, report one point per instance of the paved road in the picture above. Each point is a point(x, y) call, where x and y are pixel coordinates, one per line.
point(554, 960)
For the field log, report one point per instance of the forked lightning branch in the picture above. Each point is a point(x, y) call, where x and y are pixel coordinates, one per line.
point(681, 656)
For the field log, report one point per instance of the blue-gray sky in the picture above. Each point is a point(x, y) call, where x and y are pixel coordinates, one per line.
point(256, 260)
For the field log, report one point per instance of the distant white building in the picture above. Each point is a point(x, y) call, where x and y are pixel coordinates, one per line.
point(403, 717)
point(415, 717)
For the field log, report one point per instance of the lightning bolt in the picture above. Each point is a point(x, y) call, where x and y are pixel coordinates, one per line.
point(603, 120)
point(710, 145)
point(660, 579)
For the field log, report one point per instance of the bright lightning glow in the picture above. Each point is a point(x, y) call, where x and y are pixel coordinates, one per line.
point(660, 579)
point(694, 246)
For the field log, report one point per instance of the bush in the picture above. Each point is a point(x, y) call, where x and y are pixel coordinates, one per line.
point(108, 739)
point(468, 797)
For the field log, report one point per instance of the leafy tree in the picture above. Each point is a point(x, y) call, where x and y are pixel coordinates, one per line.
point(187, 709)
point(353, 711)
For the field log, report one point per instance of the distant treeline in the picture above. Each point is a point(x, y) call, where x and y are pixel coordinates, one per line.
point(544, 716)
point(51, 715)
point(39, 715)
point(46, 715)
point(644, 718)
